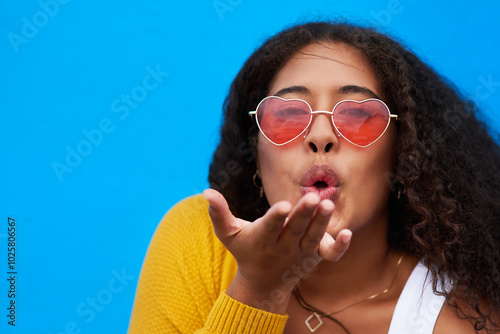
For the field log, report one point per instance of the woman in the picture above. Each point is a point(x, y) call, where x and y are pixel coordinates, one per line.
point(381, 216)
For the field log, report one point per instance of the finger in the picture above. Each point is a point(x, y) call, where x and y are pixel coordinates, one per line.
point(316, 230)
point(300, 218)
point(270, 226)
point(225, 224)
point(332, 250)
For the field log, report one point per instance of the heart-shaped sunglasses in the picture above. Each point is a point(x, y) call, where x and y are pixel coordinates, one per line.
point(361, 123)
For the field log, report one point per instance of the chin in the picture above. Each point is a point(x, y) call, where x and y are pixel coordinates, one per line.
point(334, 227)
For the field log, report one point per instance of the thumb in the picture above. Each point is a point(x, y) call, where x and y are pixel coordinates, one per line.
point(225, 224)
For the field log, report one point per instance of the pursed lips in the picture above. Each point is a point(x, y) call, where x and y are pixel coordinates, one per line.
point(321, 179)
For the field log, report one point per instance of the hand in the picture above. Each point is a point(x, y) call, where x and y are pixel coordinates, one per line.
point(273, 252)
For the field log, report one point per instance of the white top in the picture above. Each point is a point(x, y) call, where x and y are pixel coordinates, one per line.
point(418, 307)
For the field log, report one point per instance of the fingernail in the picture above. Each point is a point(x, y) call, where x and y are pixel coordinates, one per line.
point(205, 192)
point(284, 208)
point(327, 206)
point(311, 199)
point(346, 238)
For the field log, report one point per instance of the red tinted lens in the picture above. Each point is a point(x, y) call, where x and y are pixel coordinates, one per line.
point(362, 123)
point(282, 120)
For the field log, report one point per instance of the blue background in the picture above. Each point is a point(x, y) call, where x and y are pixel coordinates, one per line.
point(66, 69)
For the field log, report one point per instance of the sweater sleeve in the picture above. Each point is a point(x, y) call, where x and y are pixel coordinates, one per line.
point(184, 277)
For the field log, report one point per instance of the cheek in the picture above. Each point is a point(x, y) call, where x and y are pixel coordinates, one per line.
point(363, 201)
point(378, 165)
point(367, 183)
point(375, 176)
point(277, 172)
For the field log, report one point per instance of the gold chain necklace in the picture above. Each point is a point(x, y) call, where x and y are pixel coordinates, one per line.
point(318, 314)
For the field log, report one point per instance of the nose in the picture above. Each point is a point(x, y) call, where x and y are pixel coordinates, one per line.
point(321, 136)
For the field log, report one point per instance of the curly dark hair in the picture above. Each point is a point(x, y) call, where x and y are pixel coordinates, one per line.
point(447, 163)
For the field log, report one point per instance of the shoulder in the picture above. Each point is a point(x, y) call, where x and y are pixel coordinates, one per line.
point(185, 269)
point(185, 240)
point(450, 322)
point(186, 229)
point(193, 207)
point(418, 307)
point(421, 310)
point(185, 257)
point(185, 218)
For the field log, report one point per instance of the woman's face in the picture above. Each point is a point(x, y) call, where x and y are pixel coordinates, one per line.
point(358, 179)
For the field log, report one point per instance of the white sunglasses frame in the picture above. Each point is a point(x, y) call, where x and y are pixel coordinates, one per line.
point(254, 112)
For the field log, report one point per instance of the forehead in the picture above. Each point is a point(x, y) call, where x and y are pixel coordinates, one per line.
point(325, 68)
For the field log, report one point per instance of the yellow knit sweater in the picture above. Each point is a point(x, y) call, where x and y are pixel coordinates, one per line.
point(184, 277)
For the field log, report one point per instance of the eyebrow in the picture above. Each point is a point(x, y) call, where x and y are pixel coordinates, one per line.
point(344, 90)
point(293, 90)
point(350, 89)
